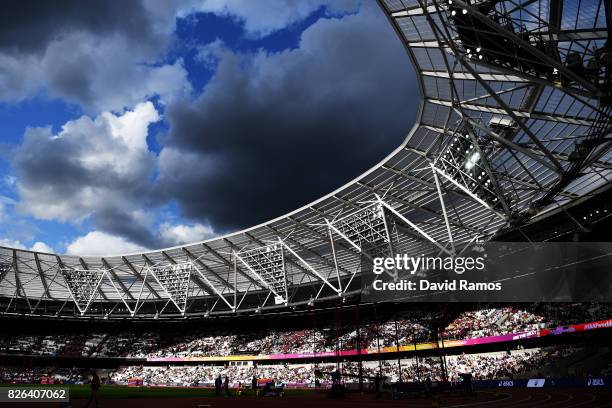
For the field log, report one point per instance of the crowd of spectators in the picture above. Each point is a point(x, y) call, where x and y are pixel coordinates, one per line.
point(46, 375)
point(484, 366)
point(492, 322)
point(404, 328)
point(50, 345)
point(204, 375)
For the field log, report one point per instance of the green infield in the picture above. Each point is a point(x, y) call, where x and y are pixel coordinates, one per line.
point(120, 391)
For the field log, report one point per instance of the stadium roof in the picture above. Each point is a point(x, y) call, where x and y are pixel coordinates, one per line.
point(513, 124)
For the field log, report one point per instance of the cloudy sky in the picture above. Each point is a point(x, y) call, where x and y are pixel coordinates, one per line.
point(143, 124)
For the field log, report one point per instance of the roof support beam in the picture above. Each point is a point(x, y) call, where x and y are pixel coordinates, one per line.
point(84, 265)
point(114, 276)
point(197, 281)
point(208, 269)
point(139, 275)
point(229, 264)
point(41, 275)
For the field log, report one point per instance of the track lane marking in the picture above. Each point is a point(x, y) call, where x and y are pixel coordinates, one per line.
point(508, 396)
point(593, 398)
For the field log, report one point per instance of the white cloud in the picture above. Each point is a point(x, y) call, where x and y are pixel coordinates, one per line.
point(40, 246)
point(98, 75)
point(184, 234)
point(98, 243)
point(91, 165)
point(9, 181)
point(99, 167)
point(4, 200)
point(101, 243)
point(19, 77)
point(9, 243)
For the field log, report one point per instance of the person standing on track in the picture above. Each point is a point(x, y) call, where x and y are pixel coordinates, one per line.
point(378, 385)
point(218, 384)
point(95, 386)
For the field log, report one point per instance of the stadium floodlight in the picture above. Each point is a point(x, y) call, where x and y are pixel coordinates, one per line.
point(367, 229)
point(472, 160)
point(462, 163)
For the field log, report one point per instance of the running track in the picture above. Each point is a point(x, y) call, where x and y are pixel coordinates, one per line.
point(513, 398)
point(544, 398)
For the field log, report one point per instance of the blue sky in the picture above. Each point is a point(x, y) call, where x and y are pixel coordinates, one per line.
point(201, 118)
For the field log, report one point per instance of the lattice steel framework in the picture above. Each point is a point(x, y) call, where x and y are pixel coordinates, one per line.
point(83, 285)
point(513, 126)
point(267, 264)
point(174, 278)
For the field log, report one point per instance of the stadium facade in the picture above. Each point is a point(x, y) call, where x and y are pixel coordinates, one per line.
point(512, 128)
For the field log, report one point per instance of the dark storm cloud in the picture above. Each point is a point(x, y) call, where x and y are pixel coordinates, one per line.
point(100, 54)
point(115, 221)
point(28, 26)
point(274, 131)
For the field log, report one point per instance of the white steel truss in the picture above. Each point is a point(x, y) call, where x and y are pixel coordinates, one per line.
point(368, 230)
point(174, 280)
point(120, 294)
point(214, 288)
point(367, 226)
point(83, 285)
point(5, 267)
point(267, 264)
